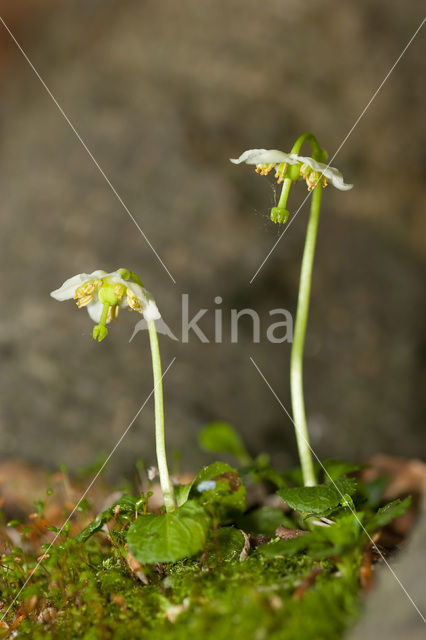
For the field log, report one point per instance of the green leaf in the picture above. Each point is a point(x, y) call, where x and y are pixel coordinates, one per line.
point(127, 504)
point(170, 536)
point(341, 539)
point(221, 437)
point(181, 492)
point(261, 470)
point(211, 472)
point(205, 475)
point(219, 488)
point(329, 470)
point(264, 520)
point(310, 499)
point(337, 468)
point(343, 485)
point(373, 491)
point(284, 547)
point(13, 523)
point(94, 526)
point(228, 543)
point(320, 499)
point(387, 513)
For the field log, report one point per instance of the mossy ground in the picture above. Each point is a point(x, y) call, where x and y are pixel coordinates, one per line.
point(88, 591)
point(89, 586)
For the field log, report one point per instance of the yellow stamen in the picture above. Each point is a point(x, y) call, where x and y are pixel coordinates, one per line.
point(87, 288)
point(133, 301)
point(84, 301)
point(264, 169)
point(305, 170)
point(119, 291)
point(280, 172)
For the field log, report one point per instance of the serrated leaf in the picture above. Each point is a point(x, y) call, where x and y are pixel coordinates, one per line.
point(387, 513)
point(319, 499)
point(343, 485)
point(314, 500)
point(170, 536)
point(221, 437)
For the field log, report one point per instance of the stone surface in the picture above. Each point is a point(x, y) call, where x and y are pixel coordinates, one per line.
point(397, 607)
point(163, 93)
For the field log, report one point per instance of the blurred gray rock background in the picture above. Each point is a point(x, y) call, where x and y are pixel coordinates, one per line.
point(163, 93)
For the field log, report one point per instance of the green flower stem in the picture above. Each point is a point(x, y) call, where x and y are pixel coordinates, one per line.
point(296, 362)
point(317, 152)
point(159, 419)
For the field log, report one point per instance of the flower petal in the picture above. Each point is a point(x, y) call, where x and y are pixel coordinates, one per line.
point(263, 156)
point(151, 311)
point(67, 290)
point(149, 308)
point(332, 174)
point(114, 276)
point(94, 309)
point(273, 156)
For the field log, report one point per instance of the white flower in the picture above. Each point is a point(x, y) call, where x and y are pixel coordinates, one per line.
point(105, 293)
point(310, 169)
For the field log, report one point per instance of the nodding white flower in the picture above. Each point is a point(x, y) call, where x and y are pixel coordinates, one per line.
point(308, 168)
point(104, 294)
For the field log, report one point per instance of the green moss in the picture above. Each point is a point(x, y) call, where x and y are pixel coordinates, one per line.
point(85, 589)
point(95, 595)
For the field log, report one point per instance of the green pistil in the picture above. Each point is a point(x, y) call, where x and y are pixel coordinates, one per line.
point(100, 331)
point(280, 214)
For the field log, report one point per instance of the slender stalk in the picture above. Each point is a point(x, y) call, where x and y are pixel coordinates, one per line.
point(296, 362)
point(159, 419)
point(317, 152)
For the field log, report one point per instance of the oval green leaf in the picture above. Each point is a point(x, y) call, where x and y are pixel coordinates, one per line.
point(170, 536)
point(320, 499)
